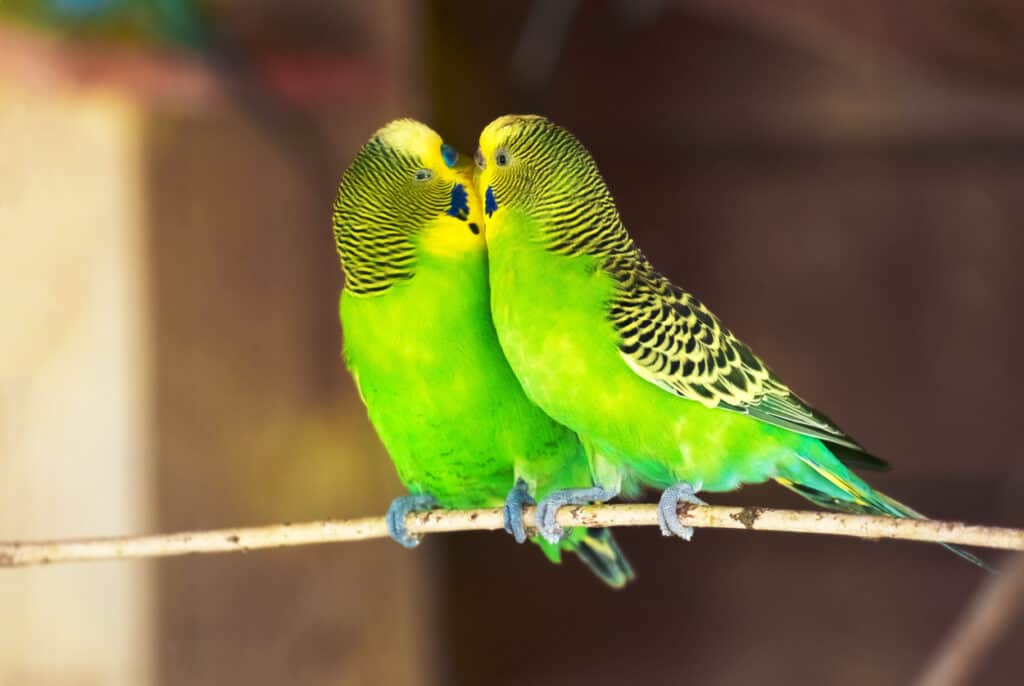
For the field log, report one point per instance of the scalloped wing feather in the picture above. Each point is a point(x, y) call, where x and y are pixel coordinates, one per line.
point(670, 339)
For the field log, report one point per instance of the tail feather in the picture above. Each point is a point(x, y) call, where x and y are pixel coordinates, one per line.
point(904, 511)
point(598, 551)
point(602, 555)
point(850, 494)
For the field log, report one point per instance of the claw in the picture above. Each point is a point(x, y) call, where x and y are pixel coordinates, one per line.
point(547, 510)
point(517, 497)
point(668, 510)
point(395, 518)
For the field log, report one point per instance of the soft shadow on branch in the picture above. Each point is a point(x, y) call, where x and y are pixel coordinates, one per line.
point(22, 553)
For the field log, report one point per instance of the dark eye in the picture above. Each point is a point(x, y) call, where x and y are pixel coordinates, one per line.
point(502, 158)
point(423, 174)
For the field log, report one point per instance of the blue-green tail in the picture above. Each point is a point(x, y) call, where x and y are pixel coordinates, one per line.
point(601, 554)
point(598, 550)
point(829, 484)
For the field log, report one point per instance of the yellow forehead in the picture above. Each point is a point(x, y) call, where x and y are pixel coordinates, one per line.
point(413, 138)
point(495, 133)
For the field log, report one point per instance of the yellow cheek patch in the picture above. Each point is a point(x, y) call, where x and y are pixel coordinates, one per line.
point(451, 237)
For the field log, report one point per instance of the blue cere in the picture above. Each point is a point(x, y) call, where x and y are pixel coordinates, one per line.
point(449, 155)
point(490, 204)
point(459, 207)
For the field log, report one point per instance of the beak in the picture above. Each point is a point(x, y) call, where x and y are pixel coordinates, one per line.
point(478, 171)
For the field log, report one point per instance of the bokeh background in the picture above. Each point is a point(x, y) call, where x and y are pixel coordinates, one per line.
point(841, 182)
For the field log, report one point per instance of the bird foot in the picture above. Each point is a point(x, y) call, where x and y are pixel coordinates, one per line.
point(668, 510)
point(548, 508)
point(395, 517)
point(514, 502)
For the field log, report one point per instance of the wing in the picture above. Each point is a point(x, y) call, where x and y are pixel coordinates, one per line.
point(672, 340)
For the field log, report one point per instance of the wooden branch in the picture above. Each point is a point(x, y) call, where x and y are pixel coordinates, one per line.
point(22, 553)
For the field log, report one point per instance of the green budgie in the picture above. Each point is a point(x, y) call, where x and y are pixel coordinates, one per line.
point(657, 388)
point(420, 344)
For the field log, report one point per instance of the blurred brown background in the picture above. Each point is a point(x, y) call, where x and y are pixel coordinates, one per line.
point(841, 183)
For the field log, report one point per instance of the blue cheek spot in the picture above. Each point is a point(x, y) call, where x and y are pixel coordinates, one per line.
point(449, 155)
point(459, 207)
point(490, 204)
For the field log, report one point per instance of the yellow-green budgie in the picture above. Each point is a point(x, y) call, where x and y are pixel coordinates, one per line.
point(657, 388)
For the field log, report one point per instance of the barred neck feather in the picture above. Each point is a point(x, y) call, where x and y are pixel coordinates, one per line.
point(563, 189)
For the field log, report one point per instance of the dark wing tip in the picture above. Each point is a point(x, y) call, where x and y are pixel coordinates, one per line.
point(858, 458)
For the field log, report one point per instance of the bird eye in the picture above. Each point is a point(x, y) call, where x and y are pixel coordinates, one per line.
point(478, 157)
point(502, 158)
point(423, 174)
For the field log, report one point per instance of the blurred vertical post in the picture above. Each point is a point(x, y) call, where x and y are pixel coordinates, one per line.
point(74, 445)
point(171, 359)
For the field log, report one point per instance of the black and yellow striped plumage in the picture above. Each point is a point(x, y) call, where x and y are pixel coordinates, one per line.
point(671, 339)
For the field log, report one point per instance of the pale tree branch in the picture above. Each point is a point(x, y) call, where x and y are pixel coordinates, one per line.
point(983, 623)
point(22, 553)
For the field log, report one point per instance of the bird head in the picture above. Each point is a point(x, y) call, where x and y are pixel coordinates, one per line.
point(405, 191)
point(530, 163)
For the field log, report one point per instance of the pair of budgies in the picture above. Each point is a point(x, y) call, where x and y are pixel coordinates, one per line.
point(527, 351)
point(422, 348)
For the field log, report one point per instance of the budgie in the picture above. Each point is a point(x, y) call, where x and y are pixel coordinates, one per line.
point(660, 392)
point(419, 342)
